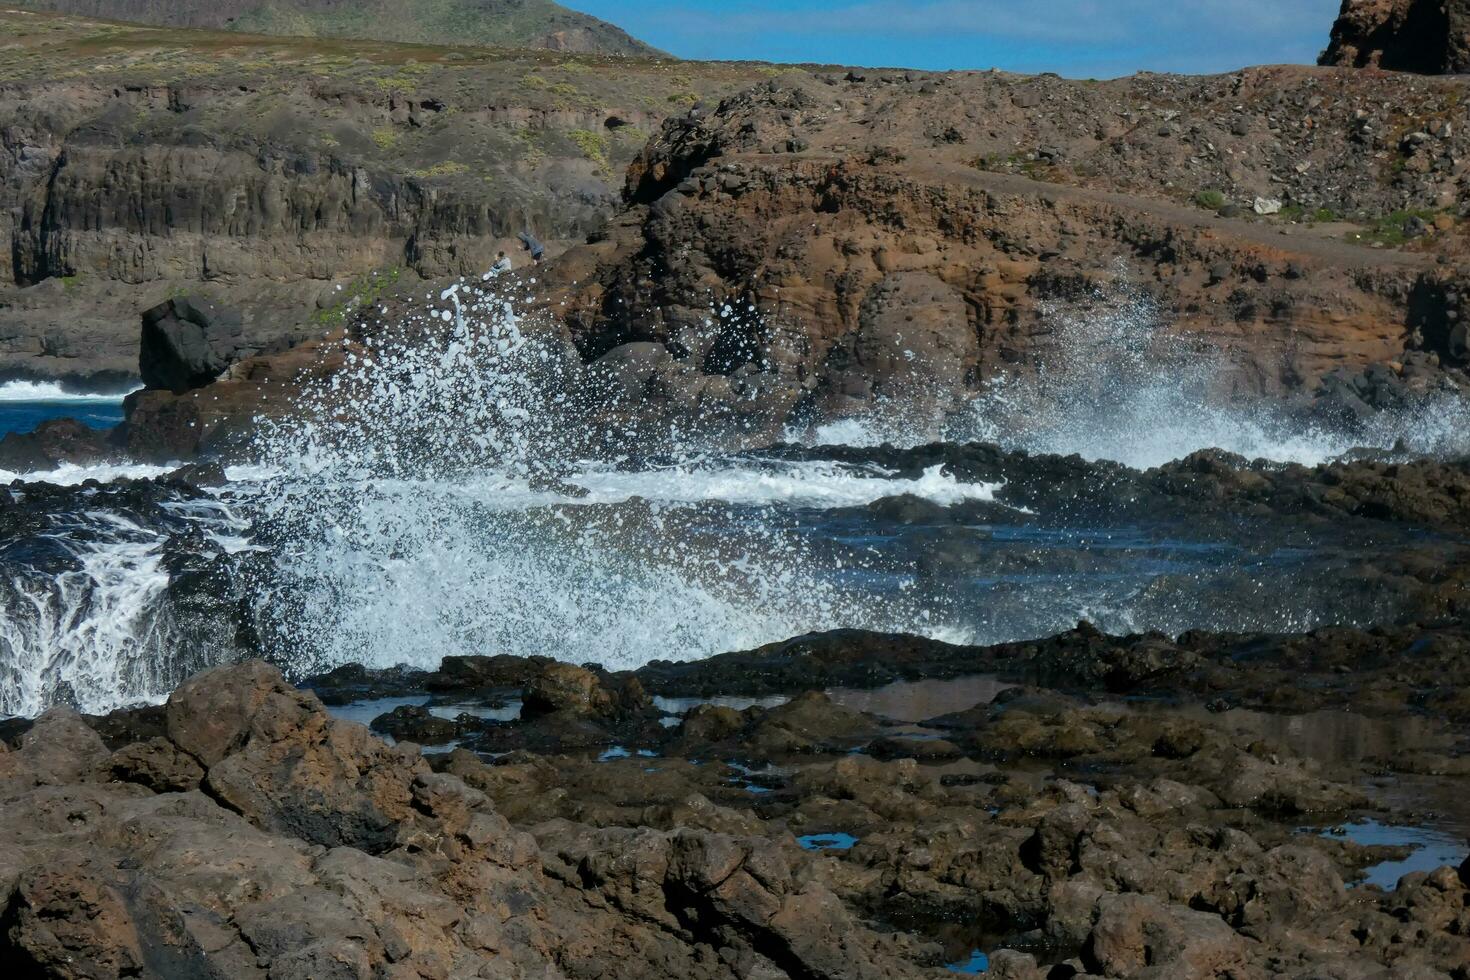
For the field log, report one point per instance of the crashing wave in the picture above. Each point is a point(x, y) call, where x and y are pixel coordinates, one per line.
point(453, 511)
point(53, 391)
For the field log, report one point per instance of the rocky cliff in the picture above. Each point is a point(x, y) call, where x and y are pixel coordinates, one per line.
point(1431, 37)
point(827, 245)
point(502, 23)
point(891, 237)
point(292, 178)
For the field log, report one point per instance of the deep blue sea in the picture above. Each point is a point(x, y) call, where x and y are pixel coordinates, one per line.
point(25, 405)
point(25, 416)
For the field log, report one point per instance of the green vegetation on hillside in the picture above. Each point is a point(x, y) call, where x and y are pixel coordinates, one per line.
point(494, 23)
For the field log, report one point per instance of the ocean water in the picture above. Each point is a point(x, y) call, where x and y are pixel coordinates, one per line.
point(458, 511)
point(26, 404)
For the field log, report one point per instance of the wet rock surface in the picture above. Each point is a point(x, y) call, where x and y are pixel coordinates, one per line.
point(55, 442)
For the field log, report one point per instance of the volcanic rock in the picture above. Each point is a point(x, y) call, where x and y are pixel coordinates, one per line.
point(1431, 37)
point(411, 723)
point(187, 343)
point(1135, 932)
point(53, 442)
point(318, 851)
point(562, 688)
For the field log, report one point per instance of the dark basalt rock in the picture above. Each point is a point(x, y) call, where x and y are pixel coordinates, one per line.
point(469, 674)
point(410, 723)
point(564, 689)
point(53, 442)
point(188, 342)
point(856, 658)
point(1430, 37)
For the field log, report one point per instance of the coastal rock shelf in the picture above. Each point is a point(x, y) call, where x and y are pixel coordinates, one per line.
point(770, 841)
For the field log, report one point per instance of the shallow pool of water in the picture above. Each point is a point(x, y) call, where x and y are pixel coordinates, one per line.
point(828, 842)
point(915, 701)
point(1432, 849)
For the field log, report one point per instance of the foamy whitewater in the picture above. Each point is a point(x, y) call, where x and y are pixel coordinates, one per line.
point(51, 391)
point(461, 507)
point(453, 513)
point(1114, 384)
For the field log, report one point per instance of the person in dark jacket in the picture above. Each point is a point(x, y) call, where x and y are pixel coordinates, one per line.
point(529, 242)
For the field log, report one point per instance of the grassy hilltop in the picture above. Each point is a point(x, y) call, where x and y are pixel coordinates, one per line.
point(497, 23)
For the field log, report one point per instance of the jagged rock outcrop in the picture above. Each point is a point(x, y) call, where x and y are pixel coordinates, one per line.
point(54, 442)
point(186, 343)
point(827, 246)
point(282, 843)
point(854, 242)
point(1430, 37)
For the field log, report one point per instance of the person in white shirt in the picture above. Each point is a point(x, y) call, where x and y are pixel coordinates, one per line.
point(502, 265)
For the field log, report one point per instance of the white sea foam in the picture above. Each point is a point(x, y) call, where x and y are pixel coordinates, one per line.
point(51, 391)
point(1114, 384)
point(430, 522)
point(454, 510)
point(96, 631)
point(73, 474)
point(791, 484)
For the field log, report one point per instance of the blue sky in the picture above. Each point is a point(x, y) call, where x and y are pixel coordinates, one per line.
point(1077, 38)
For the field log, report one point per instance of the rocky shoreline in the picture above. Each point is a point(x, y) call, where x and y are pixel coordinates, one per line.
point(576, 822)
point(1257, 770)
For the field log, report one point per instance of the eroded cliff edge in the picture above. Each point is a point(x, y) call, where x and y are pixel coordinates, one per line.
point(292, 177)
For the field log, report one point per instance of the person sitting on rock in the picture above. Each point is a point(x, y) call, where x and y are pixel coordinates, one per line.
point(501, 267)
point(537, 250)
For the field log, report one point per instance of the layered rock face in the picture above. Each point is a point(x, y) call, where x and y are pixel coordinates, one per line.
point(1431, 37)
point(828, 246)
point(292, 179)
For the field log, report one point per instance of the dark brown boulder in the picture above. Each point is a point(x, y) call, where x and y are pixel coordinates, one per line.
point(157, 764)
point(59, 748)
point(187, 343)
point(70, 923)
point(274, 755)
point(53, 442)
point(74, 921)
point(1430, 37)
point(1137, 932)
point(563, 688)
point(211, 715)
